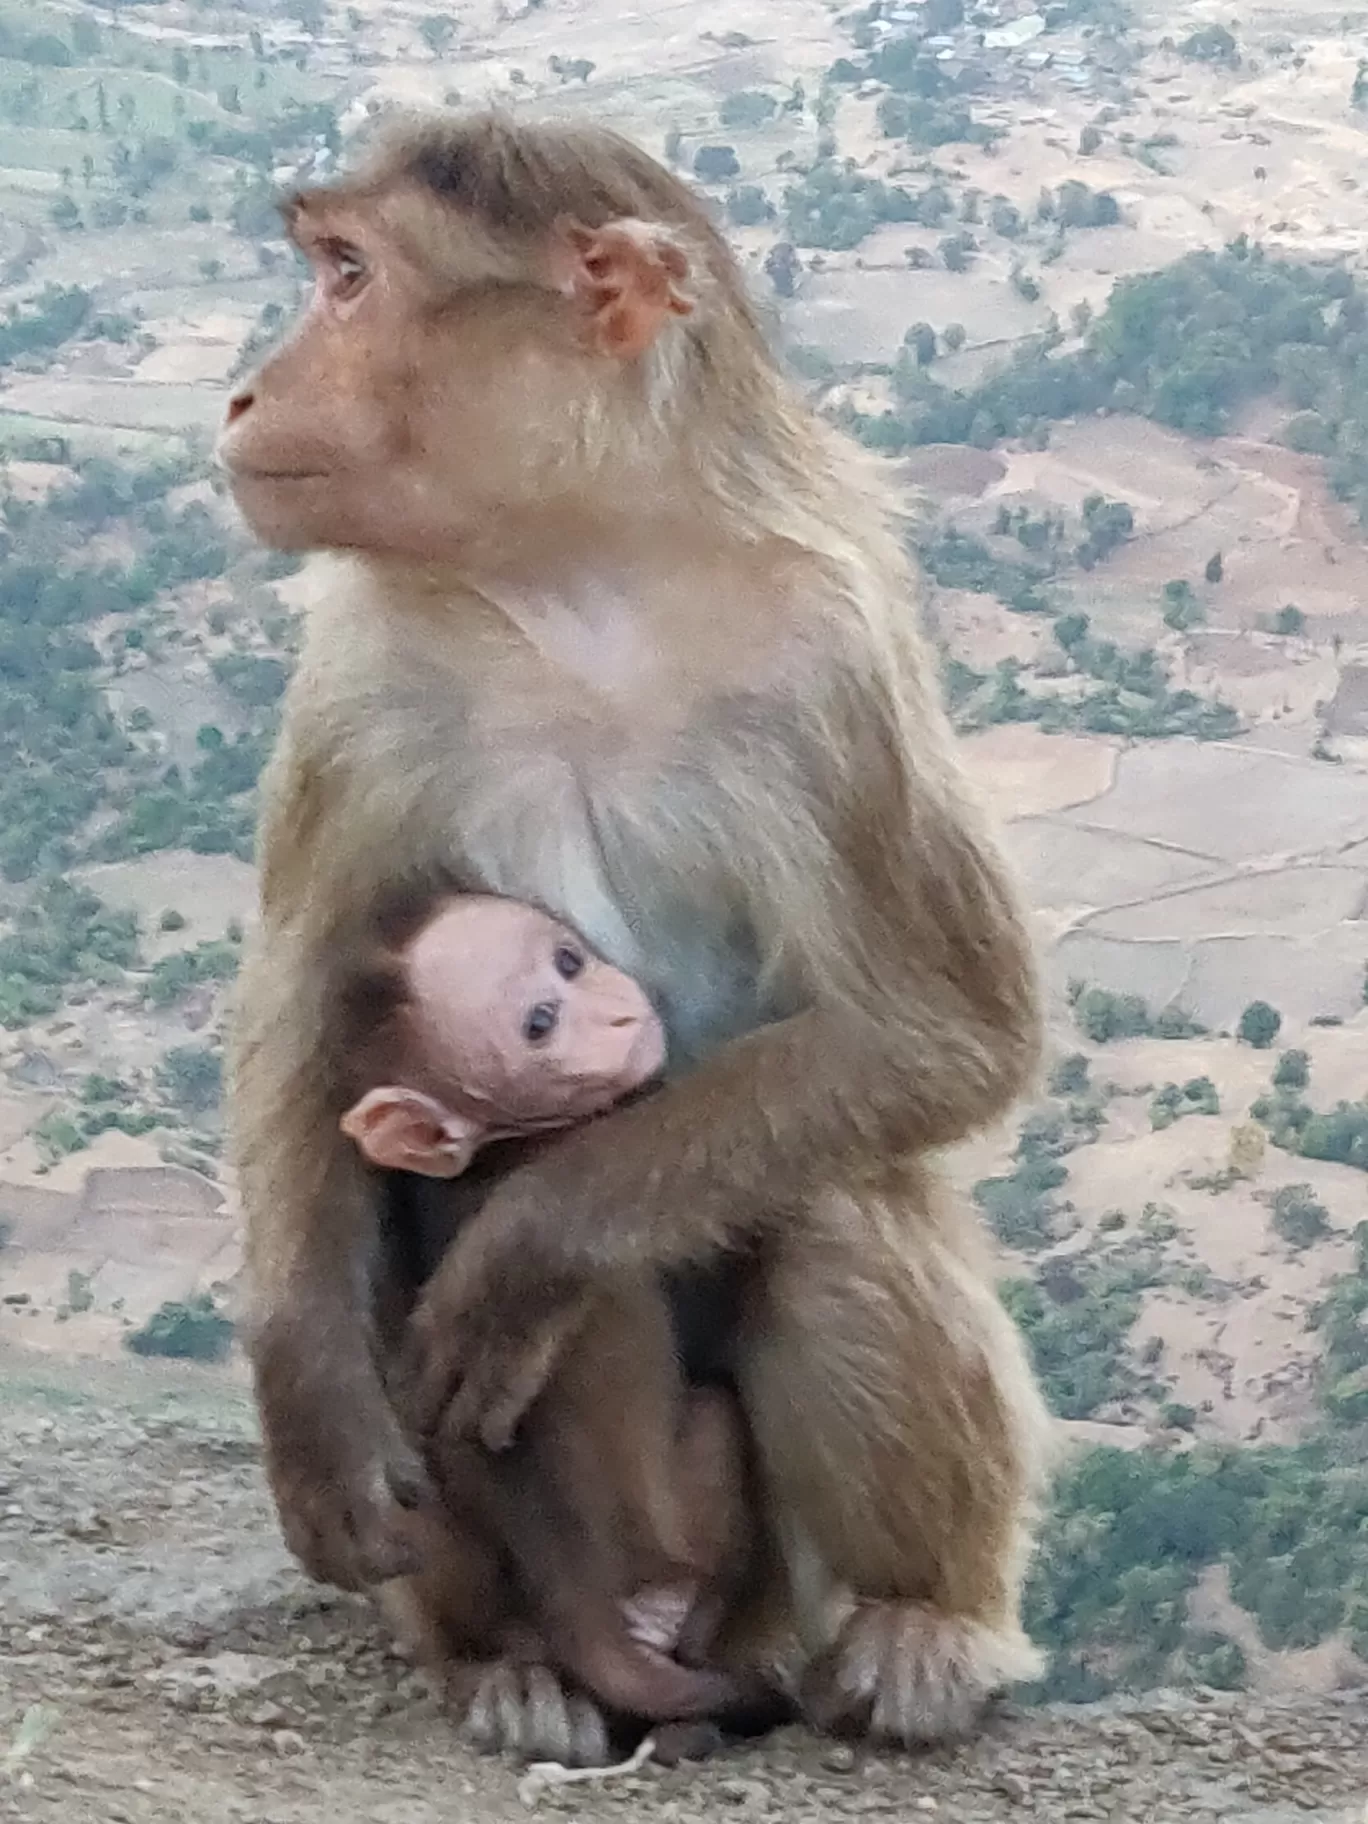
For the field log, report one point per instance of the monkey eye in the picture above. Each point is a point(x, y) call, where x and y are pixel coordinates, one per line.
point(347, 270)
point(541, 1022)
point(569, 962)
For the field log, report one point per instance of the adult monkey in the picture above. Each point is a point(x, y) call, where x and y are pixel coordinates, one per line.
point(625, 632)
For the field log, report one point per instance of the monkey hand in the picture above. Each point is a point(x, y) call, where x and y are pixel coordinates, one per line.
point(484, 1342)
point(343, 1476)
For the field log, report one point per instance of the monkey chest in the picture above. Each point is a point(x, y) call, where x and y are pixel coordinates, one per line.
point(629, 843)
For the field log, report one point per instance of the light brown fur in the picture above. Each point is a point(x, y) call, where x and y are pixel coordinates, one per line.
point(630, 635)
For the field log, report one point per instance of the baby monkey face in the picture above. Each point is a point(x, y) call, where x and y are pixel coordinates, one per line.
point(519, 1013)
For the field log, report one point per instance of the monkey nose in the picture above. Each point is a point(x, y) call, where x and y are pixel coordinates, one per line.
point(239, 404)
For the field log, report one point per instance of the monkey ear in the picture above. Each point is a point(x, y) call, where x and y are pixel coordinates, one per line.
point(406, 1131)
point(629, 275)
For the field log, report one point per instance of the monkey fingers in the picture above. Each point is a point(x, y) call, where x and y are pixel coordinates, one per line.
point(350, 1533)
point(903, 1674)
point(343, 1475)
point(525, 1710)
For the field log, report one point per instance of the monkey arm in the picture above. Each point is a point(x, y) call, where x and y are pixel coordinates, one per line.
point(337, 1461)
point(920, 1023)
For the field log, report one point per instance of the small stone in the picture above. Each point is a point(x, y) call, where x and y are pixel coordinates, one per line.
point(1013, 1787)
point(744, 1792)
point(839, 1759)
point(287, 1741)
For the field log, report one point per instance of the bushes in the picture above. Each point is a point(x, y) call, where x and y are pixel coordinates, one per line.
point(1102, 1016)
point(1078, 1342)
point(193, 1331)
point(1130, 1532)
point(215, 960)
point(1019, 1206)
point(64, 935)
point(1070, 1075)
point(747, 108)
point(716, 164)
point(1299, 1217)
point(1107, 524)
point(1186, 346)
point(1259, 1025)
point(1341, 1136)
point(192, 1077)
point(1196, 1097)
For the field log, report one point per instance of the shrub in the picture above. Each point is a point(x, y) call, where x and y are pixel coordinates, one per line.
point(1070, 1075)
point(1299, 1217)
point(194, 1331)
point(1260, 1024)
point(192, 1076)
point(748, 108)
point(1102, 1016)
point(1292, 1071)
point(716, 164)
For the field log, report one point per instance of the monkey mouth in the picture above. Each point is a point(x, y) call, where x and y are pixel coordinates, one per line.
point(251, 475)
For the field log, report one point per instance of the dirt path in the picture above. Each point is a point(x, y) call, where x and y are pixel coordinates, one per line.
point(160, 1659)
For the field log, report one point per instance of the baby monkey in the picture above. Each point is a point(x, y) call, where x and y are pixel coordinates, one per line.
point(620, 1501)
point(505, 1024)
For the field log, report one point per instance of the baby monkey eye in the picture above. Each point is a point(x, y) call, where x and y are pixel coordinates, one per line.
point(541, 1022)
point(569, 962)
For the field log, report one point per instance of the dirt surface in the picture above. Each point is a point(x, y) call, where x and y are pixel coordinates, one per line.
point(161, 1659)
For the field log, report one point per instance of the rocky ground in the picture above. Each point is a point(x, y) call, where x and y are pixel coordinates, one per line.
point(160, 1659)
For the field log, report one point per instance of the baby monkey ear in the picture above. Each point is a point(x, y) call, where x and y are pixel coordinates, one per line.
point(406, 1131)
point(629, 275)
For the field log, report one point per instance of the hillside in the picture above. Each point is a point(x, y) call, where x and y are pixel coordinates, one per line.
point(1089, 280)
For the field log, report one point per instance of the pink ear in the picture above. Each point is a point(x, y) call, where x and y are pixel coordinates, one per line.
point(403, 1130)
point(630, 275)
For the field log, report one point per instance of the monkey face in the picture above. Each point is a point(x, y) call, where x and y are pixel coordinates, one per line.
point(520, 1018)
point(403, 410)
point(441, 382)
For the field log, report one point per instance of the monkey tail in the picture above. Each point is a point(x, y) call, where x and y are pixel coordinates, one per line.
point(630, 1676)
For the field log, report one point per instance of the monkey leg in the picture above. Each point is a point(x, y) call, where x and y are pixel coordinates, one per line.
point(534, 1553)
point(903, 1445)
point(464, 1619)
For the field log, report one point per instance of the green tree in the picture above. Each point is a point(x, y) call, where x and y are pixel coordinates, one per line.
point(747, 206)
point(1102, 1016)
point(1181, 606)
point(957, 250)
point(1070, 1075)
point(1211, 44)
point(195, 1330)
point(747, 108)
point(921, 340)
point(1299, 1216)
point(437, 31)
point(1292, 1071)
point(783, 268)
point(716, 164)
point(192, 1076)
point(1259, 1025)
